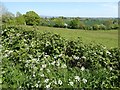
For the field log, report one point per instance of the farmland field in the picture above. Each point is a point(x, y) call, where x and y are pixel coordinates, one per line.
point(108, 38)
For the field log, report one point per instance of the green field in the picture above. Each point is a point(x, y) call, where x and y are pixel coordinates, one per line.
point(108, 38)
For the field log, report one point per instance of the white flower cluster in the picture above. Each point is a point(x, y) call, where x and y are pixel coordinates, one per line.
point(59, 82)
point(46, 80)
point(83, 57)
point(84, 80)
point(71, 83)
point(82, 68)
point(44, 66)
point(77, 78)
point(108, 52)
point(53, 63)
point(63, 66)
point(58, 63)
point(76, 57)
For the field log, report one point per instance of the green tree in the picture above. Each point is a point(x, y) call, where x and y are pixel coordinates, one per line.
point(74, 24)
point(102, 27)
point(108, 24)
point(95, 27)
point(20, 20)
point(58, 22)
point(32, 18)
point(82, 25)
point(7, 17)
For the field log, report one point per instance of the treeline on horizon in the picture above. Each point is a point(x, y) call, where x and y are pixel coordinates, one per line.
point(33, 19)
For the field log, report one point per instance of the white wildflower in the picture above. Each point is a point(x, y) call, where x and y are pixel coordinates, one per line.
point(48, 70)
point(10, 52)
point(55, 82)
point(6, 51)
point(47, 44)
point(77, 78)
point(6, 55)
point(58, 63)
point(55, 57)
point(36, 85)
point(53, 63)
point(33, 75)
point(75, 57)
point(60, 55)
point(63, 66)
point(82, 68)
point(44, 66)
point(59, 82)
point(71, 83)
point(46, 80)
point(41, 69)
point(83, 57)
point(34, 60)
point(46, 55)
point(108, 52)
point(110, 68)
point(38, 81)
point(84, 80)
point(48, 86)
point(42, 75)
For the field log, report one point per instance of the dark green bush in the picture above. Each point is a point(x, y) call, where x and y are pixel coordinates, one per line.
point(46, 60)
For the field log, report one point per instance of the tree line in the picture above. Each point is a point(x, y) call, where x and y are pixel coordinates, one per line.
point(33, 19)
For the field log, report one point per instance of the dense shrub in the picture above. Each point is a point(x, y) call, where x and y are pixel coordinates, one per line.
point(46, 60)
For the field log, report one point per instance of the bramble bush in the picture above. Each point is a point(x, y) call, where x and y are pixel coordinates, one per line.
point(47, 60)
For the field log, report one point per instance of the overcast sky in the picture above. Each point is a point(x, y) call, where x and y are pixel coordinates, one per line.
point(69, 9)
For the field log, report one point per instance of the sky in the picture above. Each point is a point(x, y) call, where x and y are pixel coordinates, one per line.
point(67, 9)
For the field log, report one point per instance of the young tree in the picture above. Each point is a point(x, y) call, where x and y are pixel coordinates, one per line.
point(32, 18)
point(20, 20)
point(74, 24)
point(108, 24)
point(58, 22)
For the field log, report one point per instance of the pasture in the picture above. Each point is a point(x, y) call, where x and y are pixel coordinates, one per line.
point(108, 38)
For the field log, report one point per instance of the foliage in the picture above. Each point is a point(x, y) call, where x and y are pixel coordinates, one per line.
point(46, 60)
point(32, 18)
point(20, 20)
point(58, 22)
point(8, 18)
point(74, 23)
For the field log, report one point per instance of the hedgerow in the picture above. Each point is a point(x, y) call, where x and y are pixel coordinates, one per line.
point(47, 60)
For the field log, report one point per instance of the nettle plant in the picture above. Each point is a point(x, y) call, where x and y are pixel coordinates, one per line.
point(46, 60)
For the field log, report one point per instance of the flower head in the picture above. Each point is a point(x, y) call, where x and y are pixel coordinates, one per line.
point(42, 75)
point(64, 66)
point(59, 82)
point(44, 66)
point(48, 86)
point(77, 78)
point(53, 63)
point(71, 83)
point(82, 68)
point(83, 57)
point(46, 80)
point(84, 80)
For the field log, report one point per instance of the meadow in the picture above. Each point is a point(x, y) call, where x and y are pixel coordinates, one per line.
point(108, 38)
